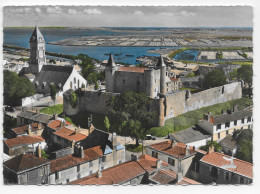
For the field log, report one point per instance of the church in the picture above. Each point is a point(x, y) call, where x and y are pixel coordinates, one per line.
point(44, 74)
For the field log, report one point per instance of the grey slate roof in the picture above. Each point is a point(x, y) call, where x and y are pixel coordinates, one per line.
point(228, 142)
point(191, 134)
point(37, 35)
point(43, 118)
point(53, 73)
point(224, 118)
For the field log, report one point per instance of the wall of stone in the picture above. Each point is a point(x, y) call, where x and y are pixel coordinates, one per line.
point(178, 103)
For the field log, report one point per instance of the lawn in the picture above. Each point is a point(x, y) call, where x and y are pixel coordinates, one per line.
point(191, 118)
point(52, 109)
point(174, 53)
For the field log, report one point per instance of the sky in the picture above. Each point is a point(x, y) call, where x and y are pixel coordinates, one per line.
point(129, 16)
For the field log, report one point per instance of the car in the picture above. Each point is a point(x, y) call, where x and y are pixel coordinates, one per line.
point(149, 137)
point(9, 109)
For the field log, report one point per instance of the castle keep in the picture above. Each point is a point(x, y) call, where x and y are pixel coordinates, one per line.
point(166, 99)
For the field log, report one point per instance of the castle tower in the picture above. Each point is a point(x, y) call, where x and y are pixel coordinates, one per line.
point(37, 51)
point(160, 64)
point(110, 74)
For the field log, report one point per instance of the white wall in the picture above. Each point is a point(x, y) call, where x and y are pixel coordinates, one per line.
point(199, 143)
point(78, 77)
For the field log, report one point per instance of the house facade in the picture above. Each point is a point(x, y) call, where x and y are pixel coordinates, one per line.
point(222, 125)
point(223, 169)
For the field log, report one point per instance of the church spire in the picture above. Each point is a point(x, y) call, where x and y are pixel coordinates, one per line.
point(160, 62)
point(111, 62)
point(36, 35)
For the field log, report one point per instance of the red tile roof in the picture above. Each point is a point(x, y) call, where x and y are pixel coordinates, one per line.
point(218, 159)
point(24, 129)
point(23, 140)
point(114, 175)
point(24, 162)
point(70, 160)
point(56, 124)
point(176, 151)
point(132, 69)
point(149, 163)
point(173, 79)
point(70, 134)
point(169, 177)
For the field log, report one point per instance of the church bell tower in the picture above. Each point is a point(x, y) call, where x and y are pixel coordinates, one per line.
point(37, 51)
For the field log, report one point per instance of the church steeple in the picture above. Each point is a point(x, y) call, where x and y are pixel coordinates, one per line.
point(37, 51)
point(160, 62)
point(111, 62)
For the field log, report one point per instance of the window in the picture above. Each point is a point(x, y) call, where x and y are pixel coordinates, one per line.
point(249, 119)
point(91, 164)
point(58, 138)
point(24, 178)
point(171, 161)
point(75, 81)
point(219, 135)
point(104, 159)
point(67, 180)
point(102, 168)
point(242, 180)
point(155, 154)
point(70, 84)
point(56, 175)
point(219, 126)
point(43, 86)
point(243, 121)
point(227, 175)
point(227, 125)
point(120, 161)
point(235, 122)
point(226, 132)
point(78, 168)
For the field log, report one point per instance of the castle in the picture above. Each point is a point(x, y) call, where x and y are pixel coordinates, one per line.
point(44, 74)
point(167, 101)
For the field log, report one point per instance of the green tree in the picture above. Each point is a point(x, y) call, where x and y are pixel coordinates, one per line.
point(53, 92)
point(244, 143)
point(106, 123)
point(16, 88)
point(96, 86)
point(73, 99)
point(233, 74)
point(130, 111)
point(245, 73)
point(217, 146)
point(9, 123)
point(214, 78)
point(52, 61)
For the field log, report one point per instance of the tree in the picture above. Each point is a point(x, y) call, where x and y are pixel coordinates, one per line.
point(52, 61)
point(233, 74)
point(73, 99)
point(245, 73)
point(106, 123)
point(53, 92)
point(243, 140)
point(16, 88)
point(96, 86)
point(130, 111)
point(214, 78)
point(217, 146)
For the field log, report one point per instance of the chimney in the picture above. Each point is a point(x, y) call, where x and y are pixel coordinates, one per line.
point(62, 123)
point(235, 107)
point(82, 154)
point(186, 150)
point(73, 144)
point(158, 164)
point(39, 151)
point(29, 130)
point(39, 125)
point(99, 174)
point(114, 142)
point(210, 149)
point(91, 128)
point(179, 177)
point(55, 116)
